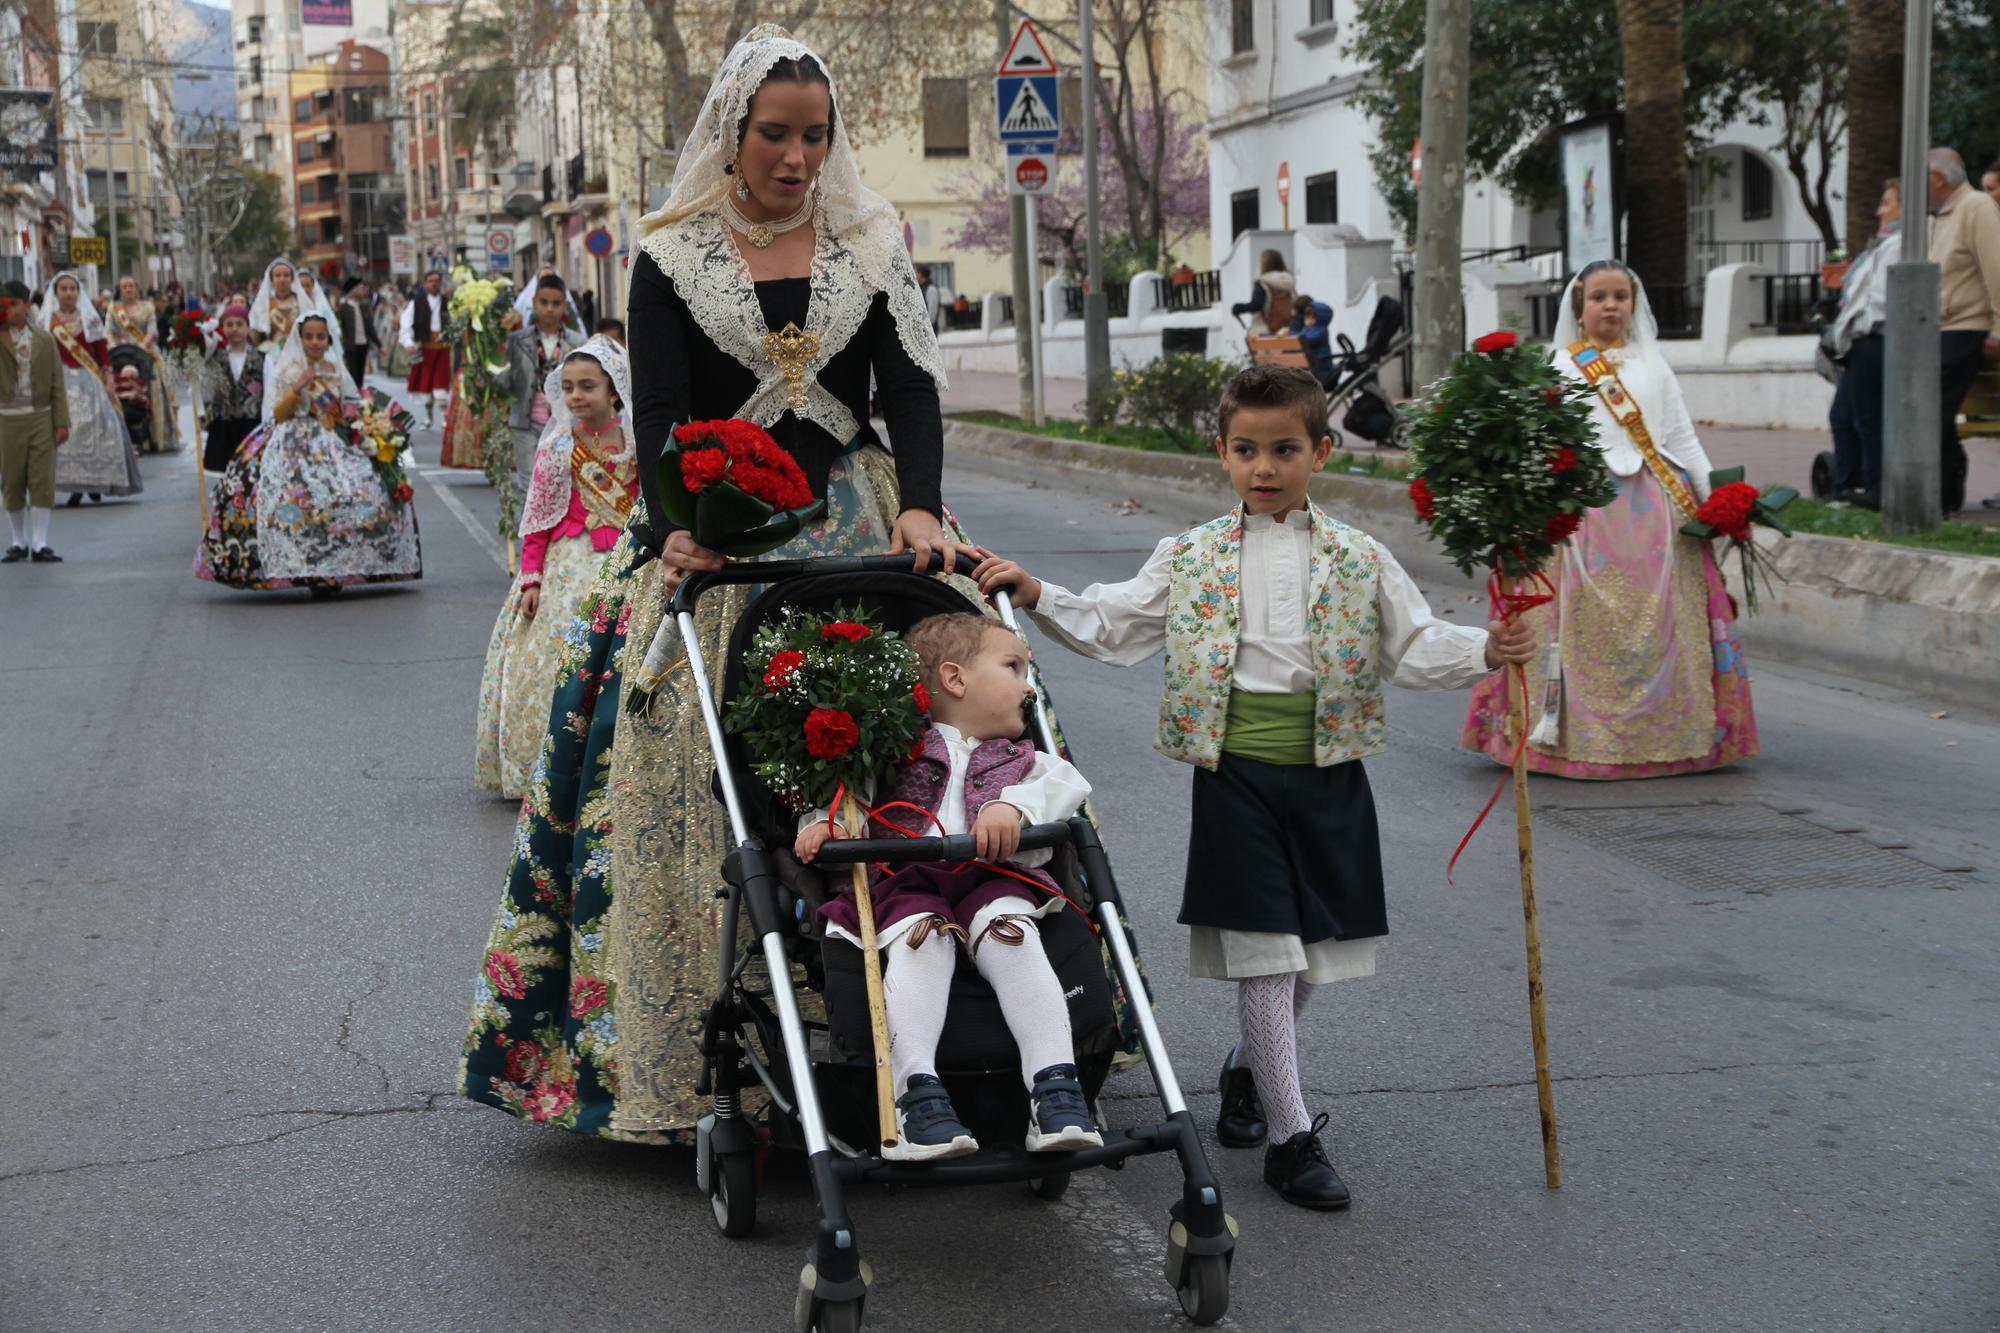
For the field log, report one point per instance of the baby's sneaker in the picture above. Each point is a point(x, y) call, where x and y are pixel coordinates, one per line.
point(927, 1128)
point(1058, 1119)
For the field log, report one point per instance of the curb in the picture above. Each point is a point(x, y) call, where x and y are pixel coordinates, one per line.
point(1923, 621)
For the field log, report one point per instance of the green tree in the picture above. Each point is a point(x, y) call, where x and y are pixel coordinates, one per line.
point(261, 234)
point(1874, 108)
point(1656, 139)
point(485, 98)
point(1965, 82)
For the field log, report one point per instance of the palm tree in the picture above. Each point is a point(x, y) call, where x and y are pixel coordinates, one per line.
point(1656, 169)
point(485, 99)
point(1874, 110)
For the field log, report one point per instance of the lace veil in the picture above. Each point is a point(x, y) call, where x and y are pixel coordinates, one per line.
point(865, 224)
point(93, 323)
point(291, 368)
point(549, 486)
point(1642, 338)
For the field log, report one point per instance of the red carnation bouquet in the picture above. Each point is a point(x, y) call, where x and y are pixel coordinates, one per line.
point(1733, 507)
point(830, 701)
point(734, 489)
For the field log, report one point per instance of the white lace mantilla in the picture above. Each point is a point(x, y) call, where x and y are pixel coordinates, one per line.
point(700, 257)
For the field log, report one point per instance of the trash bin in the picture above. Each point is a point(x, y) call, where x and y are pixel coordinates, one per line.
point(1193, 340)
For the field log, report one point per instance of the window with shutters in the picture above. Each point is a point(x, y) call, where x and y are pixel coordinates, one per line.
point(947, 119)
point(1243, 214)
point(1323, 198)
point(1757, 188)
point(1242, 26)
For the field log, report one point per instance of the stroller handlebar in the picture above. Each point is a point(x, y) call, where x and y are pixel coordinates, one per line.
point(774, 571)
point(956, 847)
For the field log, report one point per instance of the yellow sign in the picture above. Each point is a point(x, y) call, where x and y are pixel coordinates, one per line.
point(89, 250)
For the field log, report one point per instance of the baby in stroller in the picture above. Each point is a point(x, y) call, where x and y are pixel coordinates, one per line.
point(129, 386)
point(973, 774)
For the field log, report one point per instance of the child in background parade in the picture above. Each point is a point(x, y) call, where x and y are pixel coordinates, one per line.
point(34, 423)
point(1280, 626)
point(232, 389)
point(580, 492)
point(973, 775)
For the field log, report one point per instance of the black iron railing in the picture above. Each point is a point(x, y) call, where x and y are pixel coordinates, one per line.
point(1544, 309)
point(575, 175)
point(1006, 309)
point(1778, 256)
point(1117, 299)
point(1677, 308)
point(1199, 292)
point(968, 318)
point(1791, 302)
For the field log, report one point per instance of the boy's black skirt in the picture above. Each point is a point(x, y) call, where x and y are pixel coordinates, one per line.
point(1289, 849)
point(223, 437)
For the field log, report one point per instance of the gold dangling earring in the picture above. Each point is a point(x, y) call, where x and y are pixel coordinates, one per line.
point(742, 188)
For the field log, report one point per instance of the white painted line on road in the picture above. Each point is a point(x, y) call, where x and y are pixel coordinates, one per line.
point(486, 540)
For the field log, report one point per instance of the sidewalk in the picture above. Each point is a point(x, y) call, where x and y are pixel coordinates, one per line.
point(1771, 457)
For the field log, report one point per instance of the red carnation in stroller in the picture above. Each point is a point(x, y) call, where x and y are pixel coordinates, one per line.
point(819, 1077)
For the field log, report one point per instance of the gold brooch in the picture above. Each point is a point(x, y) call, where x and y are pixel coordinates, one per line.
point(791, 350)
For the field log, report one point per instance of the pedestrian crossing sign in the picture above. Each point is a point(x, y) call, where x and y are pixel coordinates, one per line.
point(1028, 107)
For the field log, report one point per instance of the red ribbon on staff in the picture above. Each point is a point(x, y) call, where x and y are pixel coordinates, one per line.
point(1509, 606)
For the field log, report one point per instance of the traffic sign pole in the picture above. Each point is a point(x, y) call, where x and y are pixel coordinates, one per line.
point(1035, 312)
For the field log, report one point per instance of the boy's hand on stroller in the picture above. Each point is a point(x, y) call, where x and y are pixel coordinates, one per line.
point(816, 836)
point(918, 531)
point(996, 834)
point(994, 572)
point(1509, 644)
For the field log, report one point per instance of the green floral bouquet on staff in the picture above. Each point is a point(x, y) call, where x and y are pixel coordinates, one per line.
point(832, 703)
point(1504, 459)
point(474, 314)
point(736, 492)
point(1732, 508)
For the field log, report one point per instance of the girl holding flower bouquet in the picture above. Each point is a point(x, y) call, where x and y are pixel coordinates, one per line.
point(314, 497)
point(1650, 677)
point(580, 493)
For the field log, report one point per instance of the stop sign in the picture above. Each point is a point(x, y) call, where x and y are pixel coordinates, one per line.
point(1032, 174)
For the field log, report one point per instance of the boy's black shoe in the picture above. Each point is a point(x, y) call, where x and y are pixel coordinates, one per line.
point(1299, 1171)
point(1240, 1121)
point(12, 554)
point(46, 556)
point(927, 1128)
point(1058, 1118)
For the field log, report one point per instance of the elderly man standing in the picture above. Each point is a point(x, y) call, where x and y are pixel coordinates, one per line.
point(1965, 245)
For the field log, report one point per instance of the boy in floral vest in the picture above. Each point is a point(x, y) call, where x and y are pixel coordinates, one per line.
point(974, 774)
point(1280, 625)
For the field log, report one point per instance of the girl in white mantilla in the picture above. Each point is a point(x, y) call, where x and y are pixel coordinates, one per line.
point(1280, 626)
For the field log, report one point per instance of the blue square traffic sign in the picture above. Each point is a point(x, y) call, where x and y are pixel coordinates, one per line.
point(1029, 108)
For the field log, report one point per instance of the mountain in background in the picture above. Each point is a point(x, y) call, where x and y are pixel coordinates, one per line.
point(198, 39)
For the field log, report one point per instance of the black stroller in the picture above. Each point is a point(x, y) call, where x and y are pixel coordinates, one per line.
point(138, 412)
point(819, 1076)
point(1355, 396)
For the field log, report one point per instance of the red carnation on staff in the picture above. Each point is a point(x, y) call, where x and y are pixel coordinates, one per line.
point(830, 732)
point(783, 667)
point(1495, 342)
point(1728, 510)
point(922, 697)
point(1421, 497)
point(1564, 460)
point(851, 630)
point(1560, 527)
point(403, 493)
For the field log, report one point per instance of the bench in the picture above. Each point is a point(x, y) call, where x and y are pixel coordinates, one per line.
point(1981, 408)
point(1285, 349)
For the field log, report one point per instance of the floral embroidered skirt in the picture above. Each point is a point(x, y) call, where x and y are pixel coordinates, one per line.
point(602, 959)
point(524, 664)
point(98, 457)
point(464, 434)
point(299, 506)
point(1654, 680)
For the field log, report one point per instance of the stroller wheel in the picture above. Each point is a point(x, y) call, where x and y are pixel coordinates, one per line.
point(813, 1316)
point(733, 1194)
point(1822, 475)
point(1399, 434)
point(1051, 1187)
point(1204, 1288)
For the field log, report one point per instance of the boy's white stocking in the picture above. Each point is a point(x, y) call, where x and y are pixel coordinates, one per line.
point(1008, 952)
point(38, 519)
point(17, 524)
point(1302, 992)
point(1270, 1043)
point(916, 987)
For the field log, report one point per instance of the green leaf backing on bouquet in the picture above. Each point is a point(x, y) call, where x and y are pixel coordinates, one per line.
point(1723, 476)
point(782, 528)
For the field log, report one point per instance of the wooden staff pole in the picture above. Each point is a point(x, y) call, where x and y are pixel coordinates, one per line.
point(1537, 1018)
point(200, 477)
point(871, 970)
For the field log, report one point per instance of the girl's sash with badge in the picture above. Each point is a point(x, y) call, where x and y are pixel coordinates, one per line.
point(606, 500)
point(1601, 375)
point(66, 339)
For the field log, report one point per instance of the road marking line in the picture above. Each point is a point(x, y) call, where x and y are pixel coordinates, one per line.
point(486, 540)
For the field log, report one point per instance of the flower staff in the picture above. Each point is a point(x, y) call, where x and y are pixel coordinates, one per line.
point(1504, 474)
point(187, 345)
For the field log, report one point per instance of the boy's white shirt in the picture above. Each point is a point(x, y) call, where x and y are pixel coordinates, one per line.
point(1051, 791)
point(1125, 623)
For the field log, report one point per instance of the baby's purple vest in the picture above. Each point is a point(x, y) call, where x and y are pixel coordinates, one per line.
point(995, 766)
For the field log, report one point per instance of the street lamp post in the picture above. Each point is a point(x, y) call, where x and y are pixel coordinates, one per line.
point(1912, 461)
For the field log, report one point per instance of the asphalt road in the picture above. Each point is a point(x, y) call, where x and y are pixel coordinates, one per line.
point(245, 880)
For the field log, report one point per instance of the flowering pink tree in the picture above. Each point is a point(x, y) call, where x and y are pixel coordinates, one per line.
point(1144, 213)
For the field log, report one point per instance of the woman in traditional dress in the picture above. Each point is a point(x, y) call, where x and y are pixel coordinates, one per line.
point(580, 493)
point(301, 504)
point(131, 324)
point(1652, 678)
point(276, 309)
point(98, 458)
point(391, 358)
point(770, 286)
